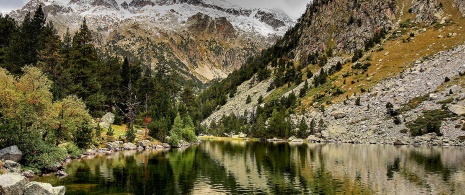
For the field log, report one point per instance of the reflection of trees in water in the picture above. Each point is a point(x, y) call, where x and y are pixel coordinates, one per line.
point(240, 167)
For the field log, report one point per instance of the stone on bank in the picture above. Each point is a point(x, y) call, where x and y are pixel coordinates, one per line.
point(16, 184)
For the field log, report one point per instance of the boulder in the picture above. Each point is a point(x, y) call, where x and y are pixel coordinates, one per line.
point(107, 120)
point(129, 146)
point(36, 188)
point(12, 184)
point(145, 144)
point(113, 145)
point(457, 109)
point(313, 139)
point(165, 145)
point(335, 129)
point(90, 152)
point(61, 174)
point(140, 132)
point(13, 166)
point(11, 153)
point(28, 174)
point(338, 114)
point(56, 167)
point(399, 142)
point(433, 96)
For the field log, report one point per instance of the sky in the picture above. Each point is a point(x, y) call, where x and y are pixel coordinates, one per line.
point(293, 8)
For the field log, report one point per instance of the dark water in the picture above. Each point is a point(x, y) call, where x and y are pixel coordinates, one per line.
point(238, 167)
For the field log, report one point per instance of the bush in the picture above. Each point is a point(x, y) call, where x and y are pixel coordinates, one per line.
point(429, 123)
point(110, 131)
point(131, 134)
point(83, 137)
point(248, 100)
point(447, 79)
point(357, 102)
point(73, 150)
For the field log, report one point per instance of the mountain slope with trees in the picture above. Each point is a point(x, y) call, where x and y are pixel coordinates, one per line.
point(337, 56)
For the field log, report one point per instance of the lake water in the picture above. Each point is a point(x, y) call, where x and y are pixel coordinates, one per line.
point(239, 167)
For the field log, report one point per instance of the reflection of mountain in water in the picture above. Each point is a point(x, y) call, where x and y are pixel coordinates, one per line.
point(343, 168)
point(253, 167)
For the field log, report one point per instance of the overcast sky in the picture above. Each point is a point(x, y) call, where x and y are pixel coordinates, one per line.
point(293, 8)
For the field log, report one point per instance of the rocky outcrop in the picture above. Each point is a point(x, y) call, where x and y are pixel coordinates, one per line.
point(347, 24)
point(16, 184)
point(107, 120)
point(141, 3)
point(11, 153)
point(461, 5)
point(12, 184)
point(458, 109)
point(426, 11)
point(129, 146)
point(12, 166)
point(270, 19)
point(35, 188)
point(221, 27)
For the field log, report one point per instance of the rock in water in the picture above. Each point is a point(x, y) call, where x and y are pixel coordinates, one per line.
point(35, 188)
point(11, 153)
point(12, 184)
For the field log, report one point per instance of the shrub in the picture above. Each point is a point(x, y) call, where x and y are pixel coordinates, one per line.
point(73, 150)
point(248, 100)
point(357, 102)
point(110, 131)
point(447, 79)
point(98, 130)
point(429, 123)
point(83, 137)
point(131, 134)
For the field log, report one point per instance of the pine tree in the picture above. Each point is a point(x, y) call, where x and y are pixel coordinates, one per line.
point(84, 69)
point(312, 127)
point(51, 60)
point(303, 128)
point(25, 44)
point(7, 29)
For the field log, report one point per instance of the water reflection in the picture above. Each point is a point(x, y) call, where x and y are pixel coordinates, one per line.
point(241, 167)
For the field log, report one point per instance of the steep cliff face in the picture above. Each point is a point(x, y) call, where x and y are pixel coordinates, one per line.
point(341, 25)
point(203, 39)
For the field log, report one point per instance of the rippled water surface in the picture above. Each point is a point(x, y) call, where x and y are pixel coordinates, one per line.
point(239, 167)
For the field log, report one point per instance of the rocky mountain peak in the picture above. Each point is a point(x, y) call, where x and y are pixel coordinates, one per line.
point(201, 23)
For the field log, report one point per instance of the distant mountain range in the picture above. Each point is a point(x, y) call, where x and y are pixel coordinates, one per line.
point(203, 39)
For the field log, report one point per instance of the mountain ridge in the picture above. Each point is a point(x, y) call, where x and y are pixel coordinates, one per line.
point(111, 21)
